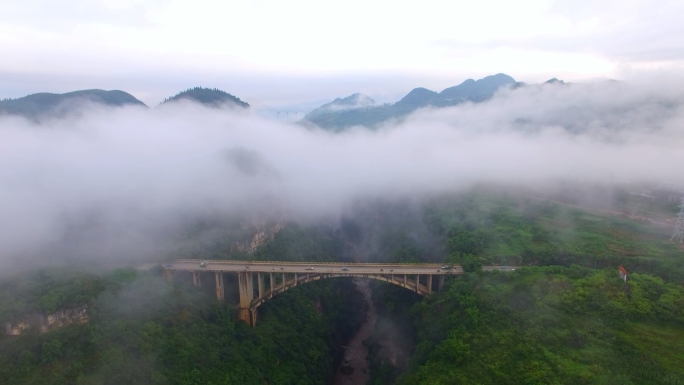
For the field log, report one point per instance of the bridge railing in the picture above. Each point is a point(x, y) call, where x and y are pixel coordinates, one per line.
point(306, 263)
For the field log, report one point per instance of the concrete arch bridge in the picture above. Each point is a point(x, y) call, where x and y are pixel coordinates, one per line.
point(260, 281)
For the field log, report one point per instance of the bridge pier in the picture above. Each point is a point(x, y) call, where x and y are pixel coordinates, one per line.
point(271, 284)
point(196, 279)
point(440, 283)
point(219, 286)
point(167, 275)
point(417, 284)
point(429, 282)
point(246, 289)
point(260, 284)
point(253, 313)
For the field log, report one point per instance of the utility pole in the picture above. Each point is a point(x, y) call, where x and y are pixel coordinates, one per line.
point(678, 234)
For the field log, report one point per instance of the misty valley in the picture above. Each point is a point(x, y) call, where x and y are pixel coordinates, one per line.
point(496, 232)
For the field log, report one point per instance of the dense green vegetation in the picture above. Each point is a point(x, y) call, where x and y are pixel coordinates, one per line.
point(45, 291)
point(551, 325)
point(572, 321)
point(143, 330)
point(565, 318)
point(519, 230)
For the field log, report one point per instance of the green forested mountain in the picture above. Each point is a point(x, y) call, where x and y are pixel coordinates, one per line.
point(566, 317)
point(45, 104)
point(143, 330)
point(370, 116)
point(208, 96)
point(551, 325)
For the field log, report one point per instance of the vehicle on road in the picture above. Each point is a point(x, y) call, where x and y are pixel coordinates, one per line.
point(309, 268)
point(446, 267)
point(382, 270)
point(345, 268)
point(203, 264)
point(391, 269)
point(168, 265)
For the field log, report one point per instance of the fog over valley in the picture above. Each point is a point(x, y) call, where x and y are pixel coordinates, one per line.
point(358, 193)
point(121, 183)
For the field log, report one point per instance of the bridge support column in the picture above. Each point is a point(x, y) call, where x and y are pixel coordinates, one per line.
point(417, 284)
point(196, 279)
point(219, 286)
point(440, 283)
point(429, 284)
point(404, 280)
point(253, 313)
point(282, 280)
point(167, 275)
point(271, 284)
point(246, 289)
point(260, 284)
point(295, 281)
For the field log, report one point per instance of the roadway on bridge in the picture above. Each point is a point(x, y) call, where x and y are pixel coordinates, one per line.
point(295, 267)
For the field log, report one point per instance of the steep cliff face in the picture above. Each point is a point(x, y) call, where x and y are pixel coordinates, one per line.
point(64, 318)
point(48, 322)
point(264, 233)
point(17, 328)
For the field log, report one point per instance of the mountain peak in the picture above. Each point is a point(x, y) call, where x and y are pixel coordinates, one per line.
point(45, 104)
point(474, 90)
point(207, 96)
point(351, 102)
point(355, 101)
point(417, 98)
point(554, 80)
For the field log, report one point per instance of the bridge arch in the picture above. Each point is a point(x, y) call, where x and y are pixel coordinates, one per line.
point(273, 278)
point(400, 280)
point(248, 306)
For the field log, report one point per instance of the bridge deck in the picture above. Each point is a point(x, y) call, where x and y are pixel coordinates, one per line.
point(318, 267)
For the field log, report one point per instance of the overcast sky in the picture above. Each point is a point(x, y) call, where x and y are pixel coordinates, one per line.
point(298, 53)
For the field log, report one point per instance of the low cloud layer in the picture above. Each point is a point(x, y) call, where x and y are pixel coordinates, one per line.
point(139, 174)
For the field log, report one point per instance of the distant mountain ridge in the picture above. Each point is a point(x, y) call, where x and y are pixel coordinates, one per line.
point(349, 103)
point(207, 96)
point(44, 104)
point(475, 91)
